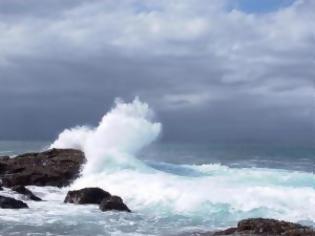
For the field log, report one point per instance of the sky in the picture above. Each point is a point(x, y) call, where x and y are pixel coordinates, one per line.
point(212, 70)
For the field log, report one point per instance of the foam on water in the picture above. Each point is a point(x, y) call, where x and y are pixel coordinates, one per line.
point(111, 150)
point(166, 198)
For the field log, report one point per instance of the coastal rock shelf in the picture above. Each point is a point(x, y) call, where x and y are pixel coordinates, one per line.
point(55, 167)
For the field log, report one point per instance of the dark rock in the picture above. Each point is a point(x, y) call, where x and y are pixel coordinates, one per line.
point(270, 227)
point(229, 231)
point(87, 196)
point(11, 203)
point(1, 188)
point(55, 167)
point(22, 190)
point(4, 158)
point(114, 203)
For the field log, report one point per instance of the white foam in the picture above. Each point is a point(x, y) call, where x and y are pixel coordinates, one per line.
point(111, 148)
point(122, 132)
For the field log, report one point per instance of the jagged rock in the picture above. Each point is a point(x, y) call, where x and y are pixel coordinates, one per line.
point(264, 227)
point(87, 196)
point(22, 190)
point(11, 203)
point(55, 167)
point(114, 203)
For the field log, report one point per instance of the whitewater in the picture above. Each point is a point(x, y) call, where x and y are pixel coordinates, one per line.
point(166, 198)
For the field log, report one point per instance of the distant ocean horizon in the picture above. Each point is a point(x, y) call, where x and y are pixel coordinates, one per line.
point(278, 156)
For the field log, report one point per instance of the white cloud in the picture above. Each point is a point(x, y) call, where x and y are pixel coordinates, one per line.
point(245, 47)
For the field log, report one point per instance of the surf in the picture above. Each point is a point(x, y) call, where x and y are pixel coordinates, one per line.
point(208, 193)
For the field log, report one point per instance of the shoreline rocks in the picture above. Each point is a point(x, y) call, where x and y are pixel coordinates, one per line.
point(263, 227)
point(113, 203)
point(98, 196)
point(11, 203)
point(55, 167)
point(22, 190)
point(59, 167)
point(87, 196)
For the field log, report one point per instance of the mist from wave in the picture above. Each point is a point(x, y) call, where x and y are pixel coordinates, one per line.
point(209, 194)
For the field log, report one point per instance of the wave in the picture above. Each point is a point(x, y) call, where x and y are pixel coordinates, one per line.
point(122, 132)
point(199, 191)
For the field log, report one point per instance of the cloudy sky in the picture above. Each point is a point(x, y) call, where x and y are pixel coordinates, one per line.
point(213, 70)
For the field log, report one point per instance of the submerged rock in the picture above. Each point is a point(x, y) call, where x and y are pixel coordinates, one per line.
point(11, 203)
point(87, 196)
point(55, 167)
point(114, 203)
point(22, 190)
point(264, 227)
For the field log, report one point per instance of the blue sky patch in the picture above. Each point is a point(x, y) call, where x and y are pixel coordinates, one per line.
point(261, 6)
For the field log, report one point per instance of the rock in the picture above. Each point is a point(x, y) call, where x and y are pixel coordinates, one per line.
point(4, 158)
point(270, 227)
point(1, 188)
point(113, 203)
point(22, 190)
point(87, 196)
point(55, 167)
point(11, 203)
point(96, 196)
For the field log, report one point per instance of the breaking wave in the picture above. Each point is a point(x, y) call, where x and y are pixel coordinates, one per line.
point(206, 193)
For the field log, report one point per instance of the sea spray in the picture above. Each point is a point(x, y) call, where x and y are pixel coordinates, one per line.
point(121, 133)
point(212, 193)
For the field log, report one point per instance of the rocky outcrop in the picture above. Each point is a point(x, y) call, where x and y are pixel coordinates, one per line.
point(11, 203)
point(22, 190)
point(113, 203)
point(98, 196)
point(264, 227)
point(87, 196)
point(55, 167)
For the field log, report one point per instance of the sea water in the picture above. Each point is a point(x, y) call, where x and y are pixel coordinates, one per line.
point(172, 188)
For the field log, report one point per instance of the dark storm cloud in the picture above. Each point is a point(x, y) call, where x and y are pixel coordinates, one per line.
point(209, 73)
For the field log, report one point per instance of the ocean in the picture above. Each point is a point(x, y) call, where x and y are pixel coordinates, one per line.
point(172, 188)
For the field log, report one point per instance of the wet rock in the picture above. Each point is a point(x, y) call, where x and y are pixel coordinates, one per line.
point(22, 190)
point(98, 196)
point(55, 167)
point(4, 158)
point(87, 196)
point(114, 203)
point(11, 203)
point(270, 227)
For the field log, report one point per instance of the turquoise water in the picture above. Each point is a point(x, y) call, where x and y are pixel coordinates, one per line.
point(300, 158)
point(176, 188)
